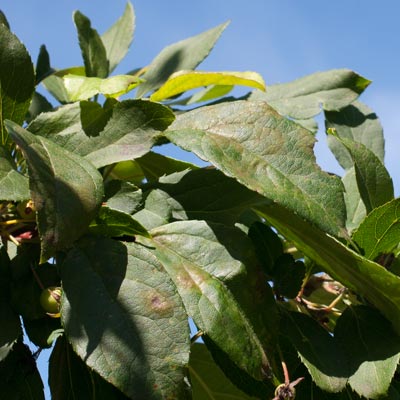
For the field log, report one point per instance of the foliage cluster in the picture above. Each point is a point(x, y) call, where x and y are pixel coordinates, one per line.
point(289, 274)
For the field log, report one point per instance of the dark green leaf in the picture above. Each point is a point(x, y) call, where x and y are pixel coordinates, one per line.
point(93, 50)
point(70, 378)
point(278, 155)
point(66, 190)
point(3, 20)
point(129, 342)
point(155, 165)
point(198, 194)
point(38, 105)
point(93, 117)
point(20, 378)
point(13, 185)
point(318, 350)
point(198, 264)
point(10, 324)
point(41, 331)
point(380, 230)
point(184, 55)
point(208, 381)
point(365, 277)
point(113, 223)
point(43, 67)
point(119, 37)
point(17, 79)
point(359, 123)
point(305, 97)
point(268, 245)
point(288, 276)
point(372, 348)
point(373, 180)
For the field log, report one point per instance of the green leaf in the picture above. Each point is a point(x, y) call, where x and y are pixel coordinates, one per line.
point(355, 207)
point(210, 93)
point(379, 286)
point(92, 47)
point(156, 165)
point(278, 155)
point(70, 378)
point(373, 180)
point(201, 277)
point(66, 190)
point(10, 323)
point(208, 381)
point(113, 223)
point(131, 131)
point(55, 83)
point(43, 67)
point(17, 79)
point(119, 37)
point(82, 88)
point(129, 342)
point(38, 105)
point(288, 276)
point(318, 350)
point(380, 230)
point(41, 332)
point(303, 98)
point(13, 185)
point(196, 194)
point(268, 245)
point(184, 55)
point(20, 378)
point(372, 348)
point(359, 123)
point(3, 20)
point(123, 196)
point(183, 81)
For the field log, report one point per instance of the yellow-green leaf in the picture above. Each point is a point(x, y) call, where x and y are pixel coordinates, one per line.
point(83, 88)
point(183, 81)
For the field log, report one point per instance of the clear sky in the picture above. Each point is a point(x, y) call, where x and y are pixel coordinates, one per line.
point(281, 39)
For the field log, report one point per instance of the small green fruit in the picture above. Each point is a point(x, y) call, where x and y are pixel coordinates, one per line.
point(127, 171)
point(50, 300)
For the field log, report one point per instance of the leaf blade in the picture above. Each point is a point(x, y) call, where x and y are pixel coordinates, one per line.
point(184, 81)
point(129, 343)
point(195, 49)
point(66, 190)
point(278, 155)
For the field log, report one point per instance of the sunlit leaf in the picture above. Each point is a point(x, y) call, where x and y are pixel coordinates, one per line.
point(83, 88)
point(277, 153)
point(183, 81)
point(379, 232)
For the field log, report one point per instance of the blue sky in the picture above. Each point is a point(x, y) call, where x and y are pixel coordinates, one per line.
point(281, 39)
